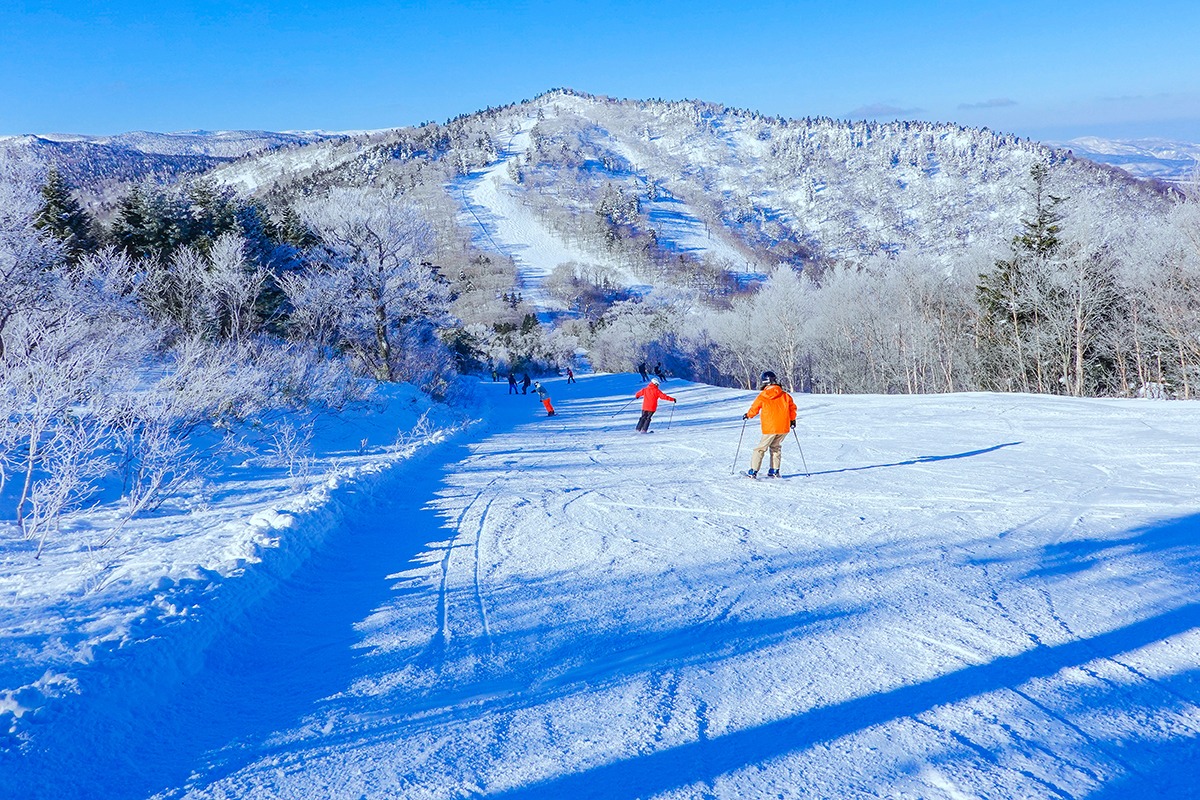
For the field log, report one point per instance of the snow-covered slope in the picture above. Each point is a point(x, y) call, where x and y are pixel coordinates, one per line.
point(502, 219)
point(493, 211)
point(989, 596)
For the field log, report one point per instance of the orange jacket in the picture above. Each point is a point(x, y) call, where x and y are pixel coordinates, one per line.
point(778, 409)
point(650, 396)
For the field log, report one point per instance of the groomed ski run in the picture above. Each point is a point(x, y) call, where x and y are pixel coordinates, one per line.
point(973, 595)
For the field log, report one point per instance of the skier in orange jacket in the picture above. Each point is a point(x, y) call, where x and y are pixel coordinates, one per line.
point(778, 417)
point(650, 396)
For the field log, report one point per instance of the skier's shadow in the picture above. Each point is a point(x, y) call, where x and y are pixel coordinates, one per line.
point(918, 460)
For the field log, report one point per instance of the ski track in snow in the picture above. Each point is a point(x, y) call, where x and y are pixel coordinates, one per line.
point(971, 596)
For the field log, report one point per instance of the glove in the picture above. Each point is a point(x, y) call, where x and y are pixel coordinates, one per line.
point(793, 424)
point(745, 416)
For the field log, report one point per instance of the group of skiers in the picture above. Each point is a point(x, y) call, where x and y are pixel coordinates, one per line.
point(658, 371)
point(525, 382)
point(776, 407)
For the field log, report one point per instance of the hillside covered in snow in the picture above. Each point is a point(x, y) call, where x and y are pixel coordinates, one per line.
point(1163, 159)
point(971, 595)
point(692, 180)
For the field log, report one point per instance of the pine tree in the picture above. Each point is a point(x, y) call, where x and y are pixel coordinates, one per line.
point(130, 228)
point(1041, 236)
point(211, 214)
point(62, 217)
point(1011, 295)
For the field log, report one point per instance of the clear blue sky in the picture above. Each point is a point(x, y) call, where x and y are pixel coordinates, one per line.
point(1052, 69)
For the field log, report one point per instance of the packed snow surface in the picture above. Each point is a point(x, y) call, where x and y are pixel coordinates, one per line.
point(971, 595)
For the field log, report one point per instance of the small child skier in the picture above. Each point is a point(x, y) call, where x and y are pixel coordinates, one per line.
point(545, 397)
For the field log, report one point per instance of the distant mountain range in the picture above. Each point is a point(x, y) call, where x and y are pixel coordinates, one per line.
point(97, 162)
point(621, 182)
point(1164, 159)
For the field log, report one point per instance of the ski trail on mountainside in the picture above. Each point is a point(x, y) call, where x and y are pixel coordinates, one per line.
point(493, 205)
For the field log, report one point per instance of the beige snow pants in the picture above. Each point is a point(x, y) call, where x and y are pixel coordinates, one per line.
point(772, 442)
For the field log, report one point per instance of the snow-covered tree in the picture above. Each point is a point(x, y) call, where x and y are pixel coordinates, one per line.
point(62, 217)
point(374, 267)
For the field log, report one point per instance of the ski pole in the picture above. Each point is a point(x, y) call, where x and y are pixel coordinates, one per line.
point(671, 417)
point(619, 410)
point(733, 469)
point(802, 459)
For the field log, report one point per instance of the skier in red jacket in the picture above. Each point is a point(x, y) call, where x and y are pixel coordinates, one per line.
point(650, 396)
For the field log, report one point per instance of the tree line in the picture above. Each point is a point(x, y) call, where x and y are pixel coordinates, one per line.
point(132, 352)
point(1085, 300)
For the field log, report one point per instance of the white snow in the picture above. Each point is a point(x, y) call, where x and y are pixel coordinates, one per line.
point(1144, 158)
point(971, 595)
point(679, 227)
point(492, 207)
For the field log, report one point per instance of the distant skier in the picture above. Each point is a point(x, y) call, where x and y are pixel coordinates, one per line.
point(525, 384)
point(512, 383)
point(570, 376)
point(650, 395)
point(778, 417)
point(495, 375)
point(545, 397)
point(658, 372)
point(642, 371)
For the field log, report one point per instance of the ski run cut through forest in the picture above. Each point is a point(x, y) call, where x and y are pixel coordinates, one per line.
point(961, 595)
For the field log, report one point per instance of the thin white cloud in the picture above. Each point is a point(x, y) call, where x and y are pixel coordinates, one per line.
point(996, 102)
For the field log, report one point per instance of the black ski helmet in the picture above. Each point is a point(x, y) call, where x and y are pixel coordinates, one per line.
point(767, 379)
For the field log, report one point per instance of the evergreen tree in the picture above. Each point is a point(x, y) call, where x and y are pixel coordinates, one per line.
point(61, 216)
point(1013, 295)
point(1041, 237)
point(211, 213)
point(291, 230)
point(130, 228)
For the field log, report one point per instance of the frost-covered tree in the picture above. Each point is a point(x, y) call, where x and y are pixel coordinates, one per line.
point(373, 266)
point(1159, 279)
point(27, 257)
point(234, 284)
point(1012, 297)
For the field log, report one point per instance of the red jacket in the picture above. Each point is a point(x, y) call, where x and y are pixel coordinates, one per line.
point(778, 409)
point(650, 396)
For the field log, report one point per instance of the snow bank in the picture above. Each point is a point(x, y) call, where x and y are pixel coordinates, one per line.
point(164, 585)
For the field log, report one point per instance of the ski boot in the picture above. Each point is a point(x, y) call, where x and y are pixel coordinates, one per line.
point(751, 473)
point(773, 473)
